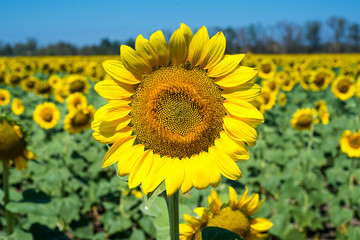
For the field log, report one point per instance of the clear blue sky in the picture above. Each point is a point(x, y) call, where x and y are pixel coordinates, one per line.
point(84, 22)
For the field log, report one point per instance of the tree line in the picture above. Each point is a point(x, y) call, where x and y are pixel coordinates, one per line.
point(335, 35)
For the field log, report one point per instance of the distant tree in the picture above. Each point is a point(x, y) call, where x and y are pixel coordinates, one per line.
point(312, 35)
point(354, 37)
point(291, 37)
point(338, 26)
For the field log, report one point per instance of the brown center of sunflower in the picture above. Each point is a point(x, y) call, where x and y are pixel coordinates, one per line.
point(2, 97)
point(47, 114)
point(15, 79)
point(77, 86)
point(304, 120)
point(44, 88)
point(177, 112)
point(354, 142)
point(343, 86)
point(266, 68)
point(80, 119)
point(320, 79)
point(272, 85)
point(231, 219)
point(30, 84)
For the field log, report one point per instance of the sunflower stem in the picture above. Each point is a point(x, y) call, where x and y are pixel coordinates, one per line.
point(9, 217)
point(173, 210)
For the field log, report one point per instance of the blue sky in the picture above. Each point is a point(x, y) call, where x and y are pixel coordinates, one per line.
point(87, 22)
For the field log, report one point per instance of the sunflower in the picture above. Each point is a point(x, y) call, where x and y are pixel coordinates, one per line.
point(46, 115)
point(79, 119)
point(30, 83)
point(13, 144)
point(13, 79)
point(234, 216)
point(323, 113)
point(4, 97)
point(321, 79)
point(271, 84)
point(265, 101)
point(343, 87)
point(44, 89)
point(358, 87)
point(290, 81)
point(177, 112)
point(267, 69)
point(17, 107)
point(77, 83)
point(303, 119)
point(55, 81)
point(282, 99)
point(75, 101)
point(350, 143)
point(94, 71)
point(306, 79)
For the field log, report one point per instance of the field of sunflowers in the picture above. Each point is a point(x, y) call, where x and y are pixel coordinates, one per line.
point(304, 169)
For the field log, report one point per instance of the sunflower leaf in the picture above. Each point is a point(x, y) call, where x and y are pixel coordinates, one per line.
point(152, 195)
point(216, 233)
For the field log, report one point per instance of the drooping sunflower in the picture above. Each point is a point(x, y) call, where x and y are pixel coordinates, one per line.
point(13, 144)
point(17, 107)
point(303, 119)
point(343, 87)
point(323, 113)
point(75, 101)
point(234, 216)
point(177, 112)
point(4, 97)
point(282, 99)
point(46, 115)
point(350, 143)
point(79, 119)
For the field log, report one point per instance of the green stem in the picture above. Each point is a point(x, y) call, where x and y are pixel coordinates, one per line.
point(9, 217)
point(173, 210)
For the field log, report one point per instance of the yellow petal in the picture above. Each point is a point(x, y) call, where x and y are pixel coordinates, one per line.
point(129, 158)
point(202, 213)
point(214, 202)
point(245, 94)
point(200, 176)
point(226, 165)
point(213, 52)
point(240, 76)
point(175, 176)
point(226, 65)
point(250, 203)
point(232, 197)
point(253, 211)
point(185, 229)
point(113, 111)
point(244, 111)
point(239, 130)
point(157, 41)
point(20, 163)
point(197, 45)
point(111, 90)
point(145, 50)
point(110, 126)
point(156, 174)
point(141, 169)
point(193, 221)
point(178, 48)
point(112, 137)
point(236, 150)
point(260, 224)
point(117, 70)
point(243, 198)
point(133, 62)
point(117, 149)
point(187, 185)
point(186, 31)
point(29, 155)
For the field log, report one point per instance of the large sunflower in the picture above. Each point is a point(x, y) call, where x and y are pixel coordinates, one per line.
point(350, 143)
point(177, 112)
point(234, 216)
point(46, 115)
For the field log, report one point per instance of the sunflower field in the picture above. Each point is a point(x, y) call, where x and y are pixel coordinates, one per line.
point(304, 172)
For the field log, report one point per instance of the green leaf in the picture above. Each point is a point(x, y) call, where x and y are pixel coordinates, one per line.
point(137, 235)
point(216, 233)
point(151, 196)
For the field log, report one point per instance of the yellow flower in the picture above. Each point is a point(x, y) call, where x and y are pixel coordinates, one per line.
point(306, 80)
point(13, 79)
point(350, 143)
point(282, 99)
point(303, 118)
point(4, 97)
point(30, 83)
point(55, 81)
point(17, 107)
point(13, 144)
point(323, 113)
point(265, 101)
point(177, 111)
point(272, 84)
point(267, 69)
point(79, 119)
point(233, 216)
point(44, 88)
point(343, 87)
point(358, 87)
point(46, 115)
point(321, 79)
point(77, 83)
point(75, 101)
point(290, 81)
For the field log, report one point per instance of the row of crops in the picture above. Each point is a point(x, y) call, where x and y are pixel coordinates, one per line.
point(306, 164)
